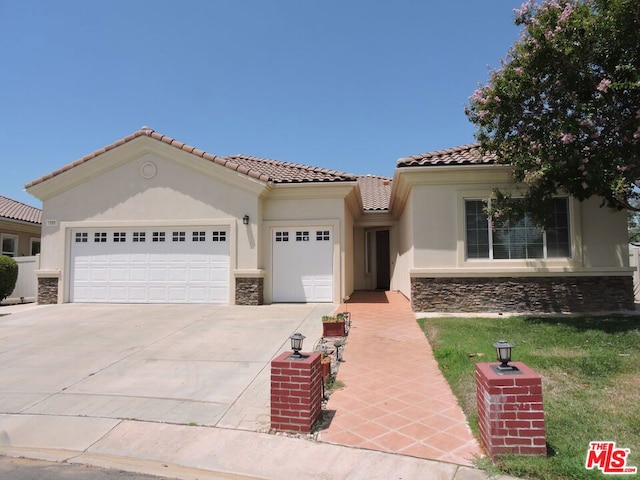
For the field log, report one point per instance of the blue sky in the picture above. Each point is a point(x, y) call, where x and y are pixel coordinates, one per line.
point(350, 85)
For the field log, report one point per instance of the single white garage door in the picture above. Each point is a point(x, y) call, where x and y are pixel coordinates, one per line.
point(150, 265)
point(303, 264)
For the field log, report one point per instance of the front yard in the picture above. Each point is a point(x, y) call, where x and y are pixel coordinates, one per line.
point(590, 368)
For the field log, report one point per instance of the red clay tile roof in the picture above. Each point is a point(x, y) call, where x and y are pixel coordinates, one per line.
point(462, 155)
point(19, 211)
point(375, 192)
point(284, 172)
point(261, 169)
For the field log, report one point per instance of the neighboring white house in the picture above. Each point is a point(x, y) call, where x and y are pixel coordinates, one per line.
point(149, 219)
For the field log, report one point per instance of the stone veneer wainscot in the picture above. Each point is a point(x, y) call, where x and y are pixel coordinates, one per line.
point(523, 294)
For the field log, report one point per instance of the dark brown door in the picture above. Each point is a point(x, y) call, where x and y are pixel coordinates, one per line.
point(383, 268)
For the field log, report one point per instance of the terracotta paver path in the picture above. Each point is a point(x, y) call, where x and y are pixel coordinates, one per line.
point(395, 398)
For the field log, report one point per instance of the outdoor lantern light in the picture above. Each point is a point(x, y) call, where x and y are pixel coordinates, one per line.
point(245, 220)
point(503, 352)
point(296, 344)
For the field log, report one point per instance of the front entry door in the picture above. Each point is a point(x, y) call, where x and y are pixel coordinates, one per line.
point(383, 267)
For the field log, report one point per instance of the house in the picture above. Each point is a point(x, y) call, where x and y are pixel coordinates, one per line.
point(19, 228)
point(149, 219)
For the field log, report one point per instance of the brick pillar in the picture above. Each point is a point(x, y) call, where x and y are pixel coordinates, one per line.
point(510, 411)
point(296, 392)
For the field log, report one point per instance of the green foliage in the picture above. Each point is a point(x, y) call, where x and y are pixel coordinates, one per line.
point(564, 108)
point(589, 366)
point(8, 276)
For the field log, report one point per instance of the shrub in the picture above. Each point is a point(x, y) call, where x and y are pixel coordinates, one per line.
point(8, 276)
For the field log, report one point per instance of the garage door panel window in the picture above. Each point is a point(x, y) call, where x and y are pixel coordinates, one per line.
point(323, 235)
point(302, 236)
point(158, 237)
point(81, 237)
point(139, 237)
point(179, 236)
point(282, 236)
point(199, 236)
point(219, 236)
point(119, 237)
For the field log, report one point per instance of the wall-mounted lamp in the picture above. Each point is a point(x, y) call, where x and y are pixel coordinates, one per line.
point(245, 220)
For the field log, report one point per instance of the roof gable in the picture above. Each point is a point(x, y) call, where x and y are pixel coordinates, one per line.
point(13, 210)
point(258, 168)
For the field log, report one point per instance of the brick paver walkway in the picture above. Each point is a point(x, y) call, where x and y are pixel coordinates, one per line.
point(395, 398)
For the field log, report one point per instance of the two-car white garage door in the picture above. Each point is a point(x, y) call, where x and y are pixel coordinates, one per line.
point(150, 265)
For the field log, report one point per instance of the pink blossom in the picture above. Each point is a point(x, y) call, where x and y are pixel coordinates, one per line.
point(566, 13)
point(582, 168)
point(604, 84)
point(636, 136)
point(638, 114)
point(538, 161)
point(519, 70)
point(585, 185)
point(568, 138)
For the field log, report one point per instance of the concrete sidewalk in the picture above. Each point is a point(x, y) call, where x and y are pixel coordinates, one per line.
point(188, 453)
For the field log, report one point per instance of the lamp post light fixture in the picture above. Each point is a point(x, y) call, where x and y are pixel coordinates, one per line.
point(296, 345)
point(245, 220)
point(503, 354)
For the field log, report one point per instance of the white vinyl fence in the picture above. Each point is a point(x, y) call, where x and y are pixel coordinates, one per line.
point(27, 285)
point(634, 262)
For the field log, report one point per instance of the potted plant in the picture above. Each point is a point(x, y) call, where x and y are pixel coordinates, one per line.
point(333, 326)
point(325, 365)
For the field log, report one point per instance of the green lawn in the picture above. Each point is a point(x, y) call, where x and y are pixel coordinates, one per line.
point(590, 368)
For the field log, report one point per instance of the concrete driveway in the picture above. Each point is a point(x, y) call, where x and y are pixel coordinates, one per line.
point(182, 364)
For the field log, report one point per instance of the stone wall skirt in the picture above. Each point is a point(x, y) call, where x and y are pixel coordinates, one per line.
point(523, 294)
point(249, 291)
point(47, 290)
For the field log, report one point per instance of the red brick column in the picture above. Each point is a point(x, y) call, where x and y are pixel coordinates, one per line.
point(510, 411)
point(296, 392)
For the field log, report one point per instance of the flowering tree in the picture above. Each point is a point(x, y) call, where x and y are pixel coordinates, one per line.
point(564, 108)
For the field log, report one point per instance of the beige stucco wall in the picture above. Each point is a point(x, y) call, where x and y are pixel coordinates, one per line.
point(604, 236)
point(24, 231)
point(311, 205)
point(434, 218)
point(176, 195)
point(347, 255)
point(404, 254)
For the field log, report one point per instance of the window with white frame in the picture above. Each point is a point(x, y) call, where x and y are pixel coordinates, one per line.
point(511, 240)
point(35, 246)
point(100, 237)
point(9, 245)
